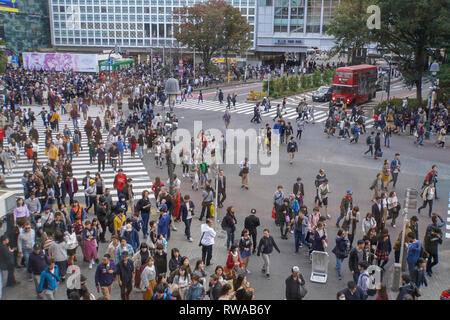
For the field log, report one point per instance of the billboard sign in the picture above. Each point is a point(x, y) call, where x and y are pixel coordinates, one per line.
point(9, 5)
point(60, 61)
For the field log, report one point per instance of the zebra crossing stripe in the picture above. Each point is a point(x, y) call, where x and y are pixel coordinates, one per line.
point(132, 167)
point(447, 234)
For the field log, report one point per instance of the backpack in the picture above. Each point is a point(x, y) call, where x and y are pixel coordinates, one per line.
point(368, 140)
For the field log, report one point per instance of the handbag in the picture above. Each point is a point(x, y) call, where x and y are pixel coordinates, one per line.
point(200, 242)
point(240, 173)
point(302, 291)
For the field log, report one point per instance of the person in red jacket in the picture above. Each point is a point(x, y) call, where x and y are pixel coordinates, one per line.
point(119, 182)
point(233, 261)
point(71, 187)
point(2, 136)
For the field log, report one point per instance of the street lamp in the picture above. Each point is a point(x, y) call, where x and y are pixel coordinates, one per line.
point(434, 69)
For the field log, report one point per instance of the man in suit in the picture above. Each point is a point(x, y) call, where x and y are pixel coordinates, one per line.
point(186, 212)
point(222, 188)
point(71, 187)
point(377, 213)
point(299, 186)
point(60, 191)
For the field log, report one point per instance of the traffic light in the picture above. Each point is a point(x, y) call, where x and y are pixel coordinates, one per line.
point(102, 75)
point(124, 53)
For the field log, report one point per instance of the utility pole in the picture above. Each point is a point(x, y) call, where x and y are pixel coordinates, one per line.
point(410, 203)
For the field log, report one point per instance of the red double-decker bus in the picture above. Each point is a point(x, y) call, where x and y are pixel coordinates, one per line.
point(354, 85)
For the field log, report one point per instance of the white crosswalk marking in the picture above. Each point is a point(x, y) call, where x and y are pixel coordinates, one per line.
point(246, 108)
point(447, 234)
point(132, 167)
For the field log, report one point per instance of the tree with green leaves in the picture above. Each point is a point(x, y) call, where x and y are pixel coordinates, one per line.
point(212, 27)
point(410, 30)
point(236, 36)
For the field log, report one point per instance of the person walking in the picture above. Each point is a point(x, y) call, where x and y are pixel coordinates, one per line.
point(265, 247)
point(292, 148)
point(187, 212)
point(356, 255)
point(370, 141)
point(207, 241)
point(414, 247)
point(200, 97)
point(221, 188)
point(341, 250)
point(395, 168)
point(37, 263)
point(301, 222)
point(125, 274)
point(433, 238)
point(295, 285)
point(7, 261)
point(428, 197)
point(245, 169)
point(246, 246)
point(229, 225)
point(104, 276)
point(322, 193)
point(346, 207)
point(49, 281)
point(227, 118)
point(251, 223)
point(377, 147)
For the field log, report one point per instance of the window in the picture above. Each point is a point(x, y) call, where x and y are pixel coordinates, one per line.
point(146, 10)
point(281, 16)
point(103, 9)
point(154, 30)
point(329, 8)
point(297, 16)
point(313, 16)
point(62, 9)
point(161, 30)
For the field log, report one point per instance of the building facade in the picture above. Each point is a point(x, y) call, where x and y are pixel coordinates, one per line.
point(134, 24)
point(293, 26)
point(27, 29)
point(278, 26)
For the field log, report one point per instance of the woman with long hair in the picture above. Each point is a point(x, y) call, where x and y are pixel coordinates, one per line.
point(245, 248)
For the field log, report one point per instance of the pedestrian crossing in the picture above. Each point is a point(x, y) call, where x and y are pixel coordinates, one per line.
point(132, 167)
point(447, 233)
point(245, 108)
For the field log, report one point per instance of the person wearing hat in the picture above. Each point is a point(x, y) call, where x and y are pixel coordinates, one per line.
point(122, 203)
point(125, 274)
point(132, 236)
point(251, 223)
point(91, 195)
point(293, 285)
point(37, 262)
point(160, 258)
point(346, 207)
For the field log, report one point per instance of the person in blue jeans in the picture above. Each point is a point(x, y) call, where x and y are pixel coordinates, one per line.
point(228, 224)
point(413, 252)
point(341, 249)
point(300, 230)
point(143, 207)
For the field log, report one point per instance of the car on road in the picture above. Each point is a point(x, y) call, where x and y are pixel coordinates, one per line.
point(323, 94)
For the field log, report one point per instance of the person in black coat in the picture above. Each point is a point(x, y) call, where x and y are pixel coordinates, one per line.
point(298, 186)
point(7, 261)
point(101, 211)
point(408, 288)
point(354, 258)
point(229, 225)
point(377, 213)
point(377, 145)
point(251, 223)
point(215, 287)
point(222, 188)
point(293, 283)
point(353, 292)
point(60, 191)
point(160, 260)
point(185, 215)
point(125, 271)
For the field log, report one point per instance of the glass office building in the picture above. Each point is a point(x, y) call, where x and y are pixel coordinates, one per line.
point(134, 24)
point(293, 26)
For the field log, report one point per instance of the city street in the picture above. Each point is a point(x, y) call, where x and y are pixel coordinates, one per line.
point(346, 167)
